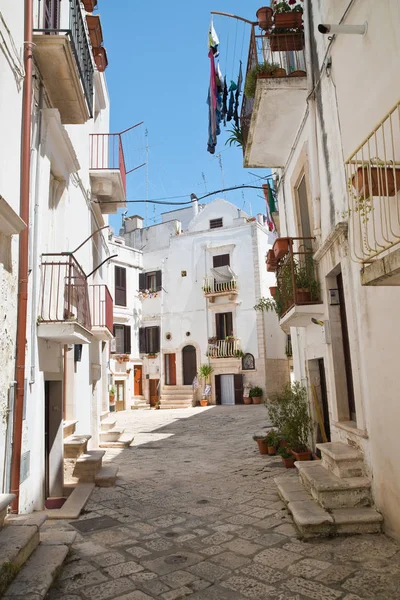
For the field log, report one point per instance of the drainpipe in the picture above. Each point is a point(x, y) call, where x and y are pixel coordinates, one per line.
point(23, 255)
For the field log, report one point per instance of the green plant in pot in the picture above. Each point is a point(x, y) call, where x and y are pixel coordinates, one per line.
point(236, 137)
point(262, 442)
point(273, 440)
point(263, 69)
point(287, 457)
point(256, 394)
point(204, 373)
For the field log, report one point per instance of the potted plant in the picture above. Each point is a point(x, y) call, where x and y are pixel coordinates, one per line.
point(382, 180)
point(264, 17)
point(89, 5)
point(236, 137)
point(272, 261)
point(213, 339)
point(101, 60)
point(281, 247)
point(273, 290)
point(287, 457)
point(157, 405)
point(287, 15)
point(265, 69)
point(204, 373)
point(246, 393)
point(273, 440)
point(307, 286)
point(111, 395)
point(95, 32)
point(261, 440)
point(256, 394)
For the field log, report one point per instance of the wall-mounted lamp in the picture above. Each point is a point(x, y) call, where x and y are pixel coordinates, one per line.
point(326, 28)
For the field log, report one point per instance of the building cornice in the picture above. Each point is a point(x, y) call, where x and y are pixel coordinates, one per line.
point(339, 231)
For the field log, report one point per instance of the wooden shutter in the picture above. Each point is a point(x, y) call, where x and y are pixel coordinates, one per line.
point(142, 281)
point(142, 340)
point(238, 383)
point(217, 380)
point(119, 335)
point(219, 325)
point(158, 282)
point(157, 337)
point(221, 260)
point(120, 286)
point(228, 324)
point(127, 339)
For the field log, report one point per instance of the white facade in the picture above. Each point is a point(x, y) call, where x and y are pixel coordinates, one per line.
point(341, 113)
point(67, 296)
point(184, 314)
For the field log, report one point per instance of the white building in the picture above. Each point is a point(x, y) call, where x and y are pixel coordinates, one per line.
point(76, 169)
point(336, 145)
point(198, 288)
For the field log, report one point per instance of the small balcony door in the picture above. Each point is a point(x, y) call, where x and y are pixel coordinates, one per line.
point(51, 14)
point(223, 325)
point(170, 369)
point(189, 364)
point(137, 380)
point(154, 391)
point(120, 396)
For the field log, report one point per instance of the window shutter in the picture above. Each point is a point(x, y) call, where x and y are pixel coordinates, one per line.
point(127, 339)
point(221, 260)
point(157, 337)
point(120, 286)
point(238, 384)
point(218, 389)
point(229, 324)
point(142, 281)
point(158, 282)
point(142, 340)
point(218, 322)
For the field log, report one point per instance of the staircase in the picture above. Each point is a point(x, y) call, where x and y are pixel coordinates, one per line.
point(140, 402)
point(29, 559)
point(332, 496)
point(112, 436)
point(176, 396)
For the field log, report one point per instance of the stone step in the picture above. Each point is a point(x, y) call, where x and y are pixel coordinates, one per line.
point(104, 415)
point(75, 445)
point(17, 542)
point(364, 519)
point(84, 468)
point(107, 476)
point(343, 460)
point(37, 575)
point(169, 406)
point(36, 518)
point(331, 491)
point(5, 501)
point(124, 441)
point(74, 504)
point(111, 435)
point(69, 428)
point(107, 424)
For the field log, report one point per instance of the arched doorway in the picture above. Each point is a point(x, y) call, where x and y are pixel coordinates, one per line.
point(189, 364)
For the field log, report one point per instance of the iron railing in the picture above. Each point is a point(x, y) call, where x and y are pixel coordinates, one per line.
point(211, 286)
point(101, 304)
point(296, 277)
point(64, 293)
point(224, 349)
point(373, 184)
point(107, 153)
point(80, 46)
point(281, 49)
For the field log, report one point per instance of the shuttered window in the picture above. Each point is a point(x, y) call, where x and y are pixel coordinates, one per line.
point(214, 223)
point(223, 325)
point(150, 281)
point(122, 334)
point(120, 286)
point(221, 260)
point(149, 340)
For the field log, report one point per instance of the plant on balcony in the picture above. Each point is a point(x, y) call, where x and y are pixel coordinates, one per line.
point(307, 286)
point(265, 69)
point(382, 180)
point(213, 339)
point(230, 338)
point(287, 14)
point(264, 17)
point(236, 137)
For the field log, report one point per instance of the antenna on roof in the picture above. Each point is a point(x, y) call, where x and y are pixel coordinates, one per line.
point(146, 133)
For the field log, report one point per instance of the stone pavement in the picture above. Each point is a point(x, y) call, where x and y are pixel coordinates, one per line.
point(196, 513)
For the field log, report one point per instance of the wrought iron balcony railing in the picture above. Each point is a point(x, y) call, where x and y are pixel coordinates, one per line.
point(107, 154)
point(101, 304)
point(76, 32)
point(272, 55)
point(296, 278)
point(64, 293)
point(228, 348)
point(213, 287)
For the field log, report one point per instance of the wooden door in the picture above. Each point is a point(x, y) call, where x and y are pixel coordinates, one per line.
point(324, 398)
point(189, 364)
point(137, 380)
point(120, 395)
point(238, 384)
point(153, 391)
point(346, 350)
point(227, 390)
point(217, 380)
point(170, 369)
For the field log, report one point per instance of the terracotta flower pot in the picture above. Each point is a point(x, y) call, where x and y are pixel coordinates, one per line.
point(264, 17)
point(289, 20)
point(203, 402)
point(305, 455)
point(273, 290)
point(376, 181)
point(89, 5)
point(100, 58)
point(262, 446)
point(285, 42)
point(288, 462)
point(298, 74)
point(247, 400)
point(95, 32)
point(281, 247)
point(256, 399)
point(271, 450)
point(303, 296)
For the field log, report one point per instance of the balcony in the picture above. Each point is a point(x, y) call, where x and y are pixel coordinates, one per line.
point(297, 295)
point(101, 305)
point(273, 107)
point(213, 288)
point(373, 184)
point(108, 171)
point(64, 313)
point(227, 348)
point(65, 63)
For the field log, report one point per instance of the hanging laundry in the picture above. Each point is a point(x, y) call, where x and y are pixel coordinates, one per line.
point(269, 197)
point(224, 102)
point(231, 105)
point(213, 40)
point(237, 95)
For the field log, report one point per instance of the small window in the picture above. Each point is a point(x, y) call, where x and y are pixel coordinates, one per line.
point(221, 260)
point(120, 286)
point(150, 281)
point(149, 340)
point(214, 223)
point(122, 334)
point(248, 363)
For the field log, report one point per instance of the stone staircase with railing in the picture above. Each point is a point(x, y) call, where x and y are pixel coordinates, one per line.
point(332, 496)
point(176, 396)
point(29, 558)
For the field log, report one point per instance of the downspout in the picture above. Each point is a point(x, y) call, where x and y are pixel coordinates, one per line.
point(22, 303)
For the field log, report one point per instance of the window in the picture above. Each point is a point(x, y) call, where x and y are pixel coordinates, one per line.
point(149, 340)
point(223, 325)
point(221, 260)
point(122, 334)
point(150, 281)
point(51, 14)
point(248, 362)
point(304, 213)
point(120, 286)
point(214, 223)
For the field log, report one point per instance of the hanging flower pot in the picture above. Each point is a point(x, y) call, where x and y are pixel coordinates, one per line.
point(376, 181)
point(264, 17)
point(273, 290)
point(95, 32)
point(272, 262)
point(288, 20)
point(281, 247)
point(303, 296)
point(89, 5)
point(286, 42)
point(101, 60)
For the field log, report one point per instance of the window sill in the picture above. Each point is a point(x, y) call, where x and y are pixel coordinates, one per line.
point(351, 427)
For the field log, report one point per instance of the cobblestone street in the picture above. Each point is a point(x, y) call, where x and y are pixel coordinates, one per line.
point(195, 513)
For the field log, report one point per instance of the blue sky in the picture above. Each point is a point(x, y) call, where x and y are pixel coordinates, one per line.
point(158, 73)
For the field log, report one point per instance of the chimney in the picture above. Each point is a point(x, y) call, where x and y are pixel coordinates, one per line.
point(195, 204)
point(239, 213)
point(132, 223)
point(260, 219)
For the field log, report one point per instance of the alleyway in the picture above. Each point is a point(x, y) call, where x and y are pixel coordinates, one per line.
point(195, 513)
